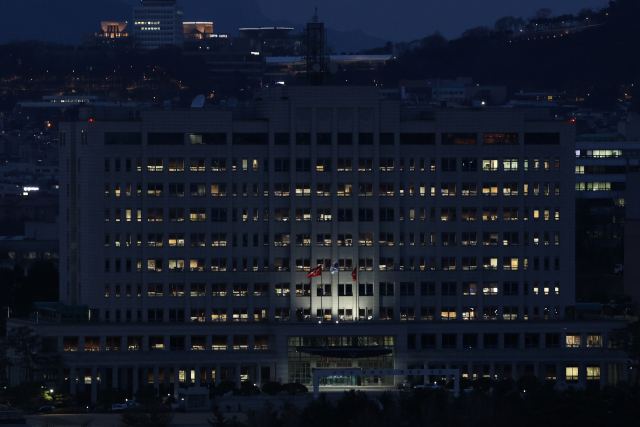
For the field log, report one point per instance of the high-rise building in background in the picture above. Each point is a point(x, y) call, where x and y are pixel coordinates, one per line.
point(158, 23)
point(317, 228)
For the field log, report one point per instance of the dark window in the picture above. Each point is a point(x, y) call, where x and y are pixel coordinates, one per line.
point(428, 341)
point(386, 214)
point(208, 138)
point(511, 340)
point(345, 139)
point(323, 139)
point(281, 139)
point(365, 214)
point(552, 340)
point(386, 139)
point(542, 138)
point(122, 138)
point(459, 139)
point(303, 139)
point(469, 340)
point(411, 341)
point(165, 138)
point(428, 288)
point(448, 164)
point(449, 340)
point(490, 341)
point(417, 139)
point(250, 139)
point(365, 139)
point(531, 340)
point(345, 215)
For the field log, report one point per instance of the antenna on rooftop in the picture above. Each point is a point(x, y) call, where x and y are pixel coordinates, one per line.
point(314, 50)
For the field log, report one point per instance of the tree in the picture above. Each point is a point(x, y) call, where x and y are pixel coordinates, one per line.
point(628, 339)
point(147, 396)
point(543, 13)
point(505, 24)
point(477, 33)
point(25, 345)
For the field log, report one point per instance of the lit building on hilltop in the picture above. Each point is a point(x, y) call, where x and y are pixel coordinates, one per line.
point(157, 23)
point(319, 228)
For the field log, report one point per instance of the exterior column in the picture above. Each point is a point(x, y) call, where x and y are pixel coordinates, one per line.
point(603, 375)
point(218, 370)
point(81, 374)
point(492, 371)
point(176, 380)
point(259, 374)
point(197, 382)
point(207, 375)
point(72, 380)
point(582, 374)
point(536, 370)
point(94, 385)
point(145, 377)
point(135, 379)
point(448, 366)
point(425, 377)
point(625, 371)
point(560, 374)
point(103, 378)
point(125, 379)
point(237, 375)
point(114, 378)
point(167, 377)
point(156, 377)
point(470, 371)
point(514, 371)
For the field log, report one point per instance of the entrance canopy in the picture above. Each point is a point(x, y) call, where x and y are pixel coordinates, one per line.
point(351, 372)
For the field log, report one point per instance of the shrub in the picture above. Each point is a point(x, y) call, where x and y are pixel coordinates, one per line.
point(271, 388)
point(294, 388)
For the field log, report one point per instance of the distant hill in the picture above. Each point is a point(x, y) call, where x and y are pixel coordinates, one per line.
point(66, 21)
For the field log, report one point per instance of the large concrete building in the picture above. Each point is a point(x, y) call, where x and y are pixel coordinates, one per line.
point(445, 239)
point(158, 23)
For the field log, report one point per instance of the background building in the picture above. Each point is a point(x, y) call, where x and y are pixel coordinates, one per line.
point(157, 23)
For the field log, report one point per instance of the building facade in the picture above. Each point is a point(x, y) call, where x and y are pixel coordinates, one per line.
point(444, 239)
point(157, 23)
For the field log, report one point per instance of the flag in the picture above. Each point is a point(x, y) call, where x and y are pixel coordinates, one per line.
point(354, 273)
point(315, 272)
point(335, 267)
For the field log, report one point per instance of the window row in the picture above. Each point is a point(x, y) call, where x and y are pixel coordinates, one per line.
point(506, 340)
point(180, 265)
point(180, 290)
point(472, 238)
point(327, 138)
point(172, 342)
point(327, 164)
point(365, 189)
point(450, 214)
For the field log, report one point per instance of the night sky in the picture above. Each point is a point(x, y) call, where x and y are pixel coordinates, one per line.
point(405, 20)
point(363, 23)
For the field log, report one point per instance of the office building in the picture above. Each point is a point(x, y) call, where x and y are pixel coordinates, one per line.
point(445, 238)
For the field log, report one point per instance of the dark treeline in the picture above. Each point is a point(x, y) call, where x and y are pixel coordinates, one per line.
point(597, 63)
point(539, 406)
